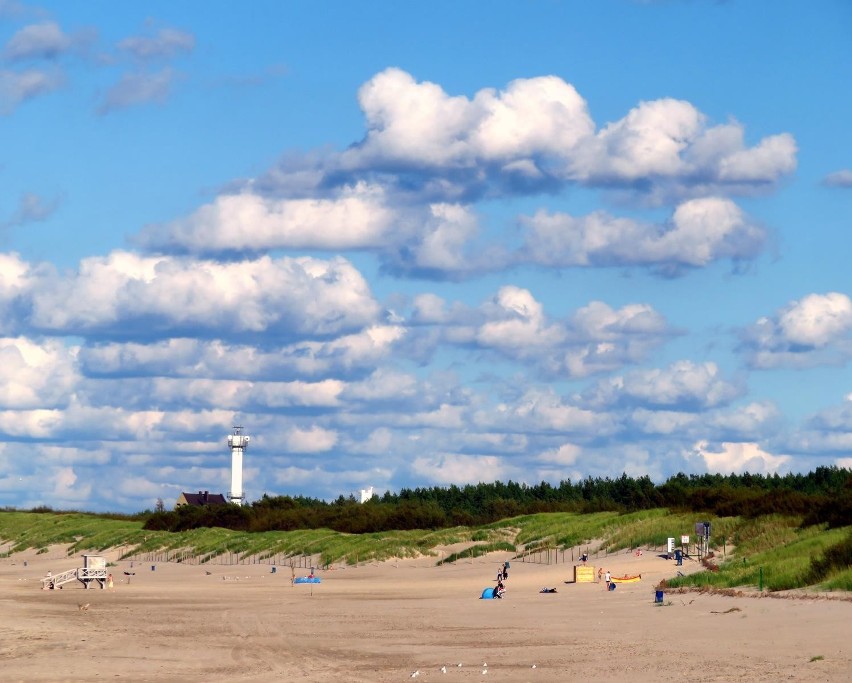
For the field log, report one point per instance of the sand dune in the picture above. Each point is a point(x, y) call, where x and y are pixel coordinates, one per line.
point(385, 622)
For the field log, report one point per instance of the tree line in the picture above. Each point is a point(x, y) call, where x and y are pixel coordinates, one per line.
point(823, 496)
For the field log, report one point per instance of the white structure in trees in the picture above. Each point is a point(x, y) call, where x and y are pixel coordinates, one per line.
point(238, 443)
point(366, 494)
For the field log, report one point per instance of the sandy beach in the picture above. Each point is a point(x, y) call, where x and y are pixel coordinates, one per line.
point(384, 622)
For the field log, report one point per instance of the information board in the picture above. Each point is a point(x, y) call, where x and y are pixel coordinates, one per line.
point(584, 574)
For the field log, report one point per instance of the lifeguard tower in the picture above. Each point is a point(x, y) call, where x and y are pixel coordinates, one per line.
point(93, 571)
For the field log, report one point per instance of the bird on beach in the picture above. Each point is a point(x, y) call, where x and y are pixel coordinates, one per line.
point(83, 608)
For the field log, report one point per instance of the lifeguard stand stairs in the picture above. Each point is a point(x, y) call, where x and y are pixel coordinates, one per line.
point(93, 571)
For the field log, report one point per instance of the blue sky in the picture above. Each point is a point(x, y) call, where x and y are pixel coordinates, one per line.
point(420, 244)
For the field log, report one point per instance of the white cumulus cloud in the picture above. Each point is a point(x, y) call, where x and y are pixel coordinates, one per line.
point(45, 40)
point(738, 458)
point(841, 178)
point(17, 87)
point(700, 231)
point(536, 135)
point(312, 440)
point(357, 218)
point(36, 375)
point(185, 357)
point(160, 296)
point(451, 468)
point(685, 385)
point(813, 330)
point(166, 44)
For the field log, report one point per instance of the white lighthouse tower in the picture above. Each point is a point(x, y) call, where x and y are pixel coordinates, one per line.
point(238, 443)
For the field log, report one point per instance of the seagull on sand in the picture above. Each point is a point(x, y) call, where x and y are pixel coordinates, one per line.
point(82, 607)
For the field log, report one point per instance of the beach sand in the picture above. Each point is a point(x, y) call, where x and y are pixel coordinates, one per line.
point(383, 622)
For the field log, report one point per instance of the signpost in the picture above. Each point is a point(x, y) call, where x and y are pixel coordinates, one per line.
point(702, 531)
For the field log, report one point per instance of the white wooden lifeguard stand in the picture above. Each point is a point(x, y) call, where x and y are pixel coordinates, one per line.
point(93, 571)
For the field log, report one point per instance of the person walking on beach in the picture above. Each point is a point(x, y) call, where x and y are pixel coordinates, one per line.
point(607, 578)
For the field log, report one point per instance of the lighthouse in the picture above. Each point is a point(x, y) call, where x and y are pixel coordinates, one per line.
point(238, 443)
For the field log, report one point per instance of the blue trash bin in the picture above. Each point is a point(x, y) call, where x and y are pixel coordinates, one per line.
point(658, 596)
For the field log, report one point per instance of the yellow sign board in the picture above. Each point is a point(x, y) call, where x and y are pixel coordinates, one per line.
point(584, 574)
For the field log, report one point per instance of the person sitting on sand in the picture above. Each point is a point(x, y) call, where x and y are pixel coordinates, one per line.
point(499, 590)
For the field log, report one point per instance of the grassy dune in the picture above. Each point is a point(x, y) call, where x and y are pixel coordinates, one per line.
point(789, 556)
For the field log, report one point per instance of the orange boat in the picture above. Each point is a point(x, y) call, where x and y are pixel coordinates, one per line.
point(626, 579)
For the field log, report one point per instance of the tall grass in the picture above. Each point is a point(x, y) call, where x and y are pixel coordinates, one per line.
point(787, 554)
point(784, 565)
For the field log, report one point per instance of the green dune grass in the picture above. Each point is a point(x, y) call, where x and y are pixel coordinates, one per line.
point(789, 556)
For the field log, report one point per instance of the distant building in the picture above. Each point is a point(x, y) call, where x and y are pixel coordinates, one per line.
point(200, 499)
point(366, 494)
